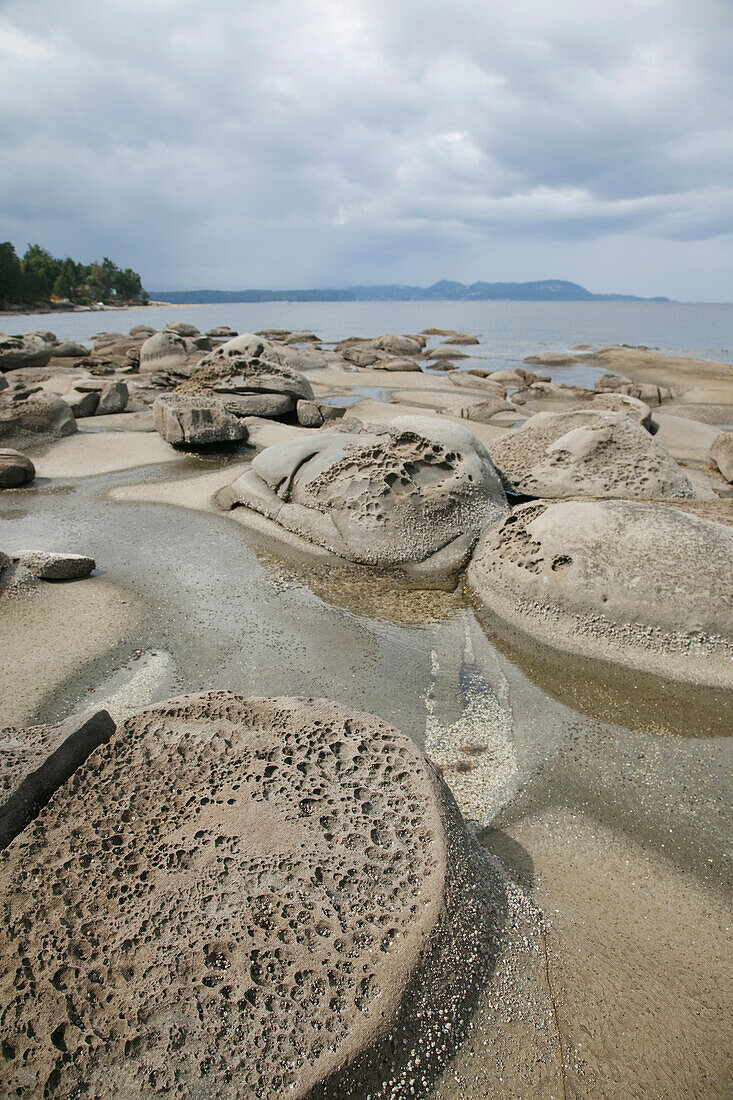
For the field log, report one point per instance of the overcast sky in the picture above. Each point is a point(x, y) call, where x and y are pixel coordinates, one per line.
point(303, 143)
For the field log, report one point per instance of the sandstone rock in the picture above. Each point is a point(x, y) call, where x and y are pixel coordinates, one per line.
point(461, 339)
point(398, 345)
point(510, 378)
point(242, 898)
point(721, 453)
point(482, 411)
point(55, 567)
point(618, 402)
point(592, 454)
point(438, 355)
point(35, 762)
point(142, 330)
point(3, 382)
point(163, 351)
point(309, 415)
point(29, 350)
point(245, 365)
point(394, 363)
point(643, 585)
point(414, 495)
point(15, 469)
point(113, 399)
point(551, 359)
point(222, 330)
point(82, 403)
point(258, 404)
point(182, 328)
point(362, 356)
point(312, 414)
point(68, 349)
point(250, 348)
point(611, 382)
point(195, 421)
point(34, 417)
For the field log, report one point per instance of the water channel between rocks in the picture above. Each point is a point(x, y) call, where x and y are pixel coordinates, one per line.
point(516, 738)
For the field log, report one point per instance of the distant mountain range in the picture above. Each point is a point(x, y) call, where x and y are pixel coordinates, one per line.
point(545, 290)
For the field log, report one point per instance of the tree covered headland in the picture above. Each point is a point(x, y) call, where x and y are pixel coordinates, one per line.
point(40, 277)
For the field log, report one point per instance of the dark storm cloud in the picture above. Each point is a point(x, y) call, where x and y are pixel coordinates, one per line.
point(314, 142)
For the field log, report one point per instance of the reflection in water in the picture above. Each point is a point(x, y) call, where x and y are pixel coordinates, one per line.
point(475, 752)
point(635, 700)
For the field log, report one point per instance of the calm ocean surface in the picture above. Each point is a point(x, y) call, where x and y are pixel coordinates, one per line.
point(507, 330)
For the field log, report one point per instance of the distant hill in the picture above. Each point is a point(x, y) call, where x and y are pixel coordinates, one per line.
point(545, 290)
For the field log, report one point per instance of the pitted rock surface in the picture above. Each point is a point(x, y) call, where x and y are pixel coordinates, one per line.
point(591, 454)
point(421, 490)
point(611, 401)
point(32, 416)
point(644, 585)
point(31, 349)
point(241, 898)
point(256, 365)
point(249, 364)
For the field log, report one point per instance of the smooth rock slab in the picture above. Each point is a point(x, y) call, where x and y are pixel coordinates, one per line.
point(644, 585)
point(195, 421)
point(592, 454)
point(241, 898)
point(15, 469)
point(721, 453)
point(48, 566)
point(35, 762)
point(415, 495)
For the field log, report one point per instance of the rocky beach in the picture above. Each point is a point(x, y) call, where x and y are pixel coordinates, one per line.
point(365, 716)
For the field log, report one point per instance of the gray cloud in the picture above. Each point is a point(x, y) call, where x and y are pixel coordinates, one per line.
point(324, 142)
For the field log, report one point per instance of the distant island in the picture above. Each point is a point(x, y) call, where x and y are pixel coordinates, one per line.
point(544, 290)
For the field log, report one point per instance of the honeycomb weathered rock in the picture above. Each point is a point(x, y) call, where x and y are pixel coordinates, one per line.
point(241, 898)
point(397, 496)
point(644, 585)
point(591, 454)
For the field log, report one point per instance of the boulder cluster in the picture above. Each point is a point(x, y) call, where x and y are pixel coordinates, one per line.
point(232, 897)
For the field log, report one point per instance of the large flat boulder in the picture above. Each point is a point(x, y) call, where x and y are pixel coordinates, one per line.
point(644, 585)
point(35, 762)
point(414, 495)
point(241, 898)
point(591, 454)
point(195, 421)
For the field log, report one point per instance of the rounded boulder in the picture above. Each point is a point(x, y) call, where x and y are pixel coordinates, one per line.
point(414, 495)
point(15, 469)
point(644, 585)
point(587, 453)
